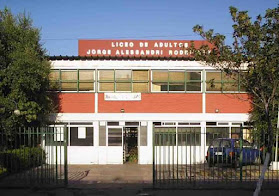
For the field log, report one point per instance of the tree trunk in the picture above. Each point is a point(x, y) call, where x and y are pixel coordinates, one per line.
point(268, 154)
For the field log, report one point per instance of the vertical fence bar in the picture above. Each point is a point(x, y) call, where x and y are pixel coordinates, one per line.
point(65, 155)
point(241, 153)
point(153, 154)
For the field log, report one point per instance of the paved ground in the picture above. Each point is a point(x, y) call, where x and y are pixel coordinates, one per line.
point(127, 179)
point(104, 174)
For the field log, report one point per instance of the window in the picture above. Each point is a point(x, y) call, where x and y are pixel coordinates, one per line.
point(81, 136)
point(213, 81)
point(54, 78)
point(220, 81)
point(245, 144)
point(165, 136)
point(189, 136)
point(140, 80)
point(216, 132)
point(159, 80)
point(235, 132)
point(106, 80)
point(102, 135)
point(114, 136)
point(175, 81)
point(123, 80)
point(69, 80)
point(143, 136)
point(246, 133)
point(193, 81)
point(86, 80)
point(55, 136)
point(72, 80)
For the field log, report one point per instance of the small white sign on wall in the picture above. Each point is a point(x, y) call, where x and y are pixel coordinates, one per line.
point(122, 96)
point(82, 133)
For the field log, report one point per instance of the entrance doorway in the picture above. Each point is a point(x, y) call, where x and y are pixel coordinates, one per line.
point(130, 144)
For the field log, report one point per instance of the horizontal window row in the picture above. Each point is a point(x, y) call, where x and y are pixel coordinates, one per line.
point(191, 136)
point(143, 81)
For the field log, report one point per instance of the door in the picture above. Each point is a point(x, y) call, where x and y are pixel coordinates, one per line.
point(130, 144)
point(115, 145)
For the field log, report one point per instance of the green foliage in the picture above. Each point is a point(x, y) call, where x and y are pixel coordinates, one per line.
point(254, 54)
point(24, 73)
point(2, 171)
point(133, 158)
point(23, 158)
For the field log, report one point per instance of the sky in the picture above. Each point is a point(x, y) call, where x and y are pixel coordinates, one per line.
point(64, 22)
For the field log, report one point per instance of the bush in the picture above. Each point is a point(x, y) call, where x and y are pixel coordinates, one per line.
point(16, 160)
point(133, 156)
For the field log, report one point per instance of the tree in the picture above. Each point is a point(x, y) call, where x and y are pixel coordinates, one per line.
point(24, 73)
point(254, 55)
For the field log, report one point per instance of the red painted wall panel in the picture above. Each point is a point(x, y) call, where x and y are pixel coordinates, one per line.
point(76, 102)
point(154, 103)
point(227, 103)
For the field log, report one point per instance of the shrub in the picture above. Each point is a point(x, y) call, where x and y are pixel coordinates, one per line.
point(23, 158)
point(133, 156)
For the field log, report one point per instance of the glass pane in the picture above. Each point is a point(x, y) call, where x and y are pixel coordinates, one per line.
point(213, 86)
point(86, 86)
point(230, 87)
point(165, 136)
point(193, 86)
point(102, 135)
point(54, 75)
point(216, 76)
point(123, 86)
point(86, 75)
point(114, 137)
point(216, 132)
point(230, 77)
point(143, 136)
point(159, 86)
point(123, 75)
point(193, 76)
point(106, 86)
point(189, 136)
point(161, 76)
point(140, 87)
point(177, 87)
point(177, 76)
point(106, 74)
point(68, 75)
point(68, 86)
point(140, 75)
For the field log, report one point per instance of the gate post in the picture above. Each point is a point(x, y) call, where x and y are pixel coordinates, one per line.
point(65, 155)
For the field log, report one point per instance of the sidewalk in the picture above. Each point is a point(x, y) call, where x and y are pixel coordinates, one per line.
point(129, 191)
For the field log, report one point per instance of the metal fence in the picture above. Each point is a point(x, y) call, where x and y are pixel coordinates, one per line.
point(31, 157)
point(211, 157)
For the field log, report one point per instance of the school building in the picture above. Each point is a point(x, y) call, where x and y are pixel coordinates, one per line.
point(115, 94)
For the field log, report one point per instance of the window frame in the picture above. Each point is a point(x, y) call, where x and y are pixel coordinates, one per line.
point(185, 82)
point(223, 82)
point(130, 81)
point(60, 81)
